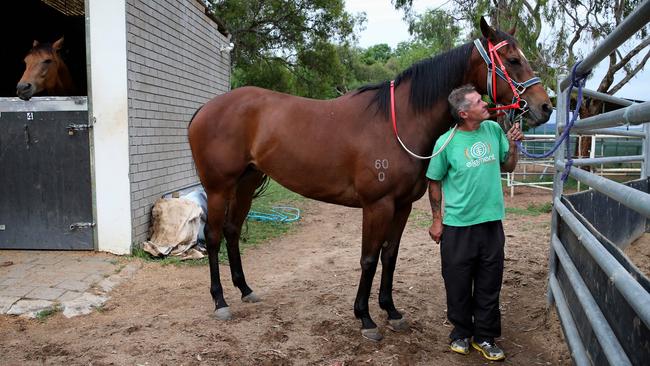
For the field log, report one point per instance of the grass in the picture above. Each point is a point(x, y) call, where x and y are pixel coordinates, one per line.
point(43, 315)
point(532, 209)
point(253, 232)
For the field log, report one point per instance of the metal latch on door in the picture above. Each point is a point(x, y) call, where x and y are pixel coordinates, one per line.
point(81, 225)
point(77, 127)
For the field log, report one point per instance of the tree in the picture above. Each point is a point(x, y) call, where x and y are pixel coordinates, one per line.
point(293, 35)
point(435, 29)
point(585, 24)
point(377, 53)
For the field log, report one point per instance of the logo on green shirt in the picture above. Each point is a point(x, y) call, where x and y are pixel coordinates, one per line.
point(479, 153)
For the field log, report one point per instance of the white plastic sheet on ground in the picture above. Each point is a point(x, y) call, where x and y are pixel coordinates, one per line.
point(176, 223)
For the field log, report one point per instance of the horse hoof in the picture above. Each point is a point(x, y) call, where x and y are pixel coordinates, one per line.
point(372, 334)
point(398, 325)
point(223, 313)
point(251, 298)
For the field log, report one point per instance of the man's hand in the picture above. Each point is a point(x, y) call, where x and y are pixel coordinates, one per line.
point(514, 133)
point(435, 231)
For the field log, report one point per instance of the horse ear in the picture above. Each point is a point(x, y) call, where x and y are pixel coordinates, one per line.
point(35, 44)
point(487, 31)
point(513, 30)
point(58, 44)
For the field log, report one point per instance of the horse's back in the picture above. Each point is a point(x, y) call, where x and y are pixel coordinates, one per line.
point(307, 145)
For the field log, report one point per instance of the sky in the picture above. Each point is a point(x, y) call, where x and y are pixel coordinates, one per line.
point(384, 24)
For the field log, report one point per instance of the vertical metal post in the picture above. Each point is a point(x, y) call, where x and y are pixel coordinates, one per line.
point(558, 184)
point(645, 168)
point(579, 153)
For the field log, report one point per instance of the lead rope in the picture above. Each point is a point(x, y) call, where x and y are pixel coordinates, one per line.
point(577, 81)
point(392, 109)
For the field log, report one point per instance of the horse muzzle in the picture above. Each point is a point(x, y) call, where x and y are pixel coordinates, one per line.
point(539, 114)
point(25, 91)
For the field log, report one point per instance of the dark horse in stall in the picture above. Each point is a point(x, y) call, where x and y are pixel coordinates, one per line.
point(45, 72)
point(340, 151)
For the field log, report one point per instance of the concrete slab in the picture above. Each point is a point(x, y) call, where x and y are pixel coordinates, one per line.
point(69, 295)
point(45, 293)
point(19, 290)
point(82, 305)
point(30, 308)
point(74, 282)
point(73, 285)
point(6, 303)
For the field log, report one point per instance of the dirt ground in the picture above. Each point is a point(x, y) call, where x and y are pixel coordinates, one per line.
point(639, 253)
point(308, 281)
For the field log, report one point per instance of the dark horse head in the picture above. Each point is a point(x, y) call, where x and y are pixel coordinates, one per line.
point(520, 80)
point(45, 72)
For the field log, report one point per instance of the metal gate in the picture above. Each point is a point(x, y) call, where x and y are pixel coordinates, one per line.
point(45, 181)
point(602, 299)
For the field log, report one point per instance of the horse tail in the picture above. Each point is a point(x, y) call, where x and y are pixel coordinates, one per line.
point(263, 186)
point(194, 115)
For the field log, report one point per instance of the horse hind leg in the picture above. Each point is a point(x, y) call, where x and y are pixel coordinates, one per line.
point(237, 211)
point(216, 215)
point(396, 321)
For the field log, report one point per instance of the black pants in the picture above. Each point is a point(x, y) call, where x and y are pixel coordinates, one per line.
point(472, 267)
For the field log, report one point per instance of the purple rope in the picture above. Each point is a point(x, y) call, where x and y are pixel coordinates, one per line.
point(579, 82)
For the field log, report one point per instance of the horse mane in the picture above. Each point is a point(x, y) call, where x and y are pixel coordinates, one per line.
point(431, 79)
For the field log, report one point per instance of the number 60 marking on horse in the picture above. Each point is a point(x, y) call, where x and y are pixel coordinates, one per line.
point(381, 164)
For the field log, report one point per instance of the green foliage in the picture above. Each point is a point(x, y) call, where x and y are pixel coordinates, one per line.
point(377, 53)
point(253, 232)
point(436, 30)
point(288, 45)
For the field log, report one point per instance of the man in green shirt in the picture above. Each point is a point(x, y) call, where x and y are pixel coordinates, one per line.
point(467, 173)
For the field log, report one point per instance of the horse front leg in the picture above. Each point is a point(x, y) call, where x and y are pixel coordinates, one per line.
point(388, 260)
point(376, 219)
point(215, 219)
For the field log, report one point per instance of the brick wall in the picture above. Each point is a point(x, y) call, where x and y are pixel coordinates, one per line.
point(174, 66)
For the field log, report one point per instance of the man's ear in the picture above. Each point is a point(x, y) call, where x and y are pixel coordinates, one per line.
point(462, 114)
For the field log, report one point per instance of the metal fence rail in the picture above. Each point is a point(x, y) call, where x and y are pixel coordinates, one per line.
point(603, 301)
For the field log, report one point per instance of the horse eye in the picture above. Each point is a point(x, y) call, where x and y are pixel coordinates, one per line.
point(514, 61)
point(48, 61)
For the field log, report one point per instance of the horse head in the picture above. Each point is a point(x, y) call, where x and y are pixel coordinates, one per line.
point(510, 79)
point(45, 71)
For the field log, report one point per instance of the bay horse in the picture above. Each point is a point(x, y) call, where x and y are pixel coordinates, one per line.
point(45, 72)
point(340, 151)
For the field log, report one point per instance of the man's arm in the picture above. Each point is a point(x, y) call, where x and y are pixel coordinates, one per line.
point(435, 199)
point(514, 134)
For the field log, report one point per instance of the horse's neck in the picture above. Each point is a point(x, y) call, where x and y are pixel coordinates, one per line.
point(419, 131)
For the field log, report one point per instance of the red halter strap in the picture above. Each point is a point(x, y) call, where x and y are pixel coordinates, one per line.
point(492, 50)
